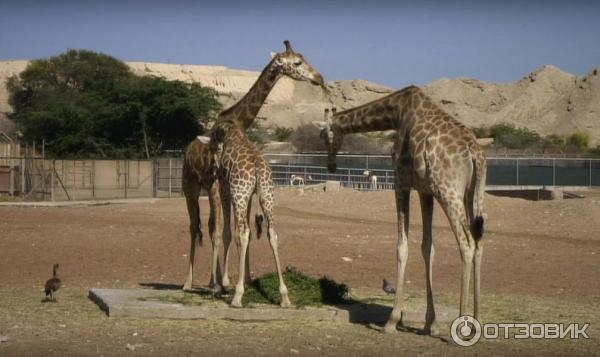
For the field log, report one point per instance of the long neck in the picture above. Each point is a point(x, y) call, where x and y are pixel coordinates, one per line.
point(245, 110)
point(54, 271)
point(383, 114)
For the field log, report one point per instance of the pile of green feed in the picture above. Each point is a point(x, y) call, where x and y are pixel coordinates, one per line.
point(303, 290)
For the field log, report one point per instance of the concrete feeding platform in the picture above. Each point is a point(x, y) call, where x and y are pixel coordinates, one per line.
point(147, 303)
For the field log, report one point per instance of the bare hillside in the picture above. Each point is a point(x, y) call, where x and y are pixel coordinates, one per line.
point(547, 100)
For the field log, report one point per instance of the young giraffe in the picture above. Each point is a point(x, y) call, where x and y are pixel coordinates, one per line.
point(438, 157)
point(242, 172)
point(197, 172)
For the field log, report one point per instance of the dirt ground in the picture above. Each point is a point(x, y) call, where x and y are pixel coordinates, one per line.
point(541, 264)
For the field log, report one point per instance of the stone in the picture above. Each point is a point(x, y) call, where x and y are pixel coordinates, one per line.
point(332, 186)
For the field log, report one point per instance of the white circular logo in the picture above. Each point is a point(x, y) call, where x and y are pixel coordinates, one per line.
point(465, 331)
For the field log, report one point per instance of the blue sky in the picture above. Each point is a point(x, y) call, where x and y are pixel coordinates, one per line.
point(395, 43)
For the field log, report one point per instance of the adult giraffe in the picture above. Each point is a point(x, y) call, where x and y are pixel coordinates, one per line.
point(438, 157)
point(197, 173)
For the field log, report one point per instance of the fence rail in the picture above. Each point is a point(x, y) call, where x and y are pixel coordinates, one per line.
point(38, 179)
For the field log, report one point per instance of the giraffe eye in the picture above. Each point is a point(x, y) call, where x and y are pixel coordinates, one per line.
point(297, 63)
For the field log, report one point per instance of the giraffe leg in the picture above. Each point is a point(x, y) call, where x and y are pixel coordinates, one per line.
point(226, 229)
point(455, 210)
point(242, 238)
point(428, 254)
point(402, 208)
point(477, 280)
point(215, 228)
point(193, 208)
point(247, 276)
point(266, 200)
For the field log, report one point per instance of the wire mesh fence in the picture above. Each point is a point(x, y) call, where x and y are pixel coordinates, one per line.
point(34, 178)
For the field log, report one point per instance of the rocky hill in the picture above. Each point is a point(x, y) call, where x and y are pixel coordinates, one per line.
point(548, 100)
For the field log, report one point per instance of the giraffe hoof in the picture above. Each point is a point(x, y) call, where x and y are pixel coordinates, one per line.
point(237, 303)
point(286, 304)
point(225, 282)
point(434, 331)
point(390, 328)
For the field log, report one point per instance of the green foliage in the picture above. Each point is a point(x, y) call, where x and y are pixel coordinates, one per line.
point(514, 138)
point(510, 137)
point(307, 138)
point(282, 133)
point(303, 290)
point(580, 140)
point(257, 133)
point(85, 104)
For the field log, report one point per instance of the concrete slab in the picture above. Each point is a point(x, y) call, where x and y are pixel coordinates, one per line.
point(147, 303)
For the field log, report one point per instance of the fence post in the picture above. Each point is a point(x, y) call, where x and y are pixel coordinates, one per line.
point(154, 177)
point(348, 181)
point(52, 180)
point(126, 177)
point(553, 172)
point(11, 177)
point(517, 160)
point(23, 188)
point(170, 177)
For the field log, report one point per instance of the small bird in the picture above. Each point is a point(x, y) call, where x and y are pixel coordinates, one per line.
point(388, 288)
point(52, 285)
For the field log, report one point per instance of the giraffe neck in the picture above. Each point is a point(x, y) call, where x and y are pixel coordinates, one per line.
point(245, 110)
point(382, 114)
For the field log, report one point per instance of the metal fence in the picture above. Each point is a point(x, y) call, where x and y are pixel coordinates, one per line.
point(502, 171)
point(39, 179)
point(36, 178)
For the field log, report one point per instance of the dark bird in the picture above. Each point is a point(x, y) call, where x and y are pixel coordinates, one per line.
point(388, 288)
point(52, 285)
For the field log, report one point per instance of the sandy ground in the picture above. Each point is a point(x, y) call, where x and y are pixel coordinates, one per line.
point(541, 264)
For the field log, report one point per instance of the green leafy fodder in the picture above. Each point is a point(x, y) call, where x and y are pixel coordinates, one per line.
point(303, 290)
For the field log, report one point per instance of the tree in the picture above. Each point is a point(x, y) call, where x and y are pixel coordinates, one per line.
point(86, 104)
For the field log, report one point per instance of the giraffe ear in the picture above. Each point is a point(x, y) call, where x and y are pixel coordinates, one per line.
point(273, 54)
point(204, 139)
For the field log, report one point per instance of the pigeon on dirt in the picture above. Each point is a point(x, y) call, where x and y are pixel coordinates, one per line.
point(388, 288)
point(52, 285)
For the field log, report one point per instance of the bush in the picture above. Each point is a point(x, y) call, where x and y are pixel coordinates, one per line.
point(306, 138)
point(282, 133)
point(257, 133)
point(87, 104)
point(579, 140)
point(511, 137)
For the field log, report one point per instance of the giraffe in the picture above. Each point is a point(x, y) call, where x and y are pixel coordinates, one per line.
point(438, 157)
point(242, 172)
point(197, 173)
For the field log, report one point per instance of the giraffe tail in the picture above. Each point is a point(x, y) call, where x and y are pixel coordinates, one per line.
point(258, 220)
point(479, 176)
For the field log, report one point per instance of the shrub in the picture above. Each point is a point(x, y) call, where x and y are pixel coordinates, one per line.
point(282, 133)
point(579, 140)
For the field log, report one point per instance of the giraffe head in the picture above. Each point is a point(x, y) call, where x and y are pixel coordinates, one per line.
point(294, 65)
point(332, 137)
point(214, 143)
